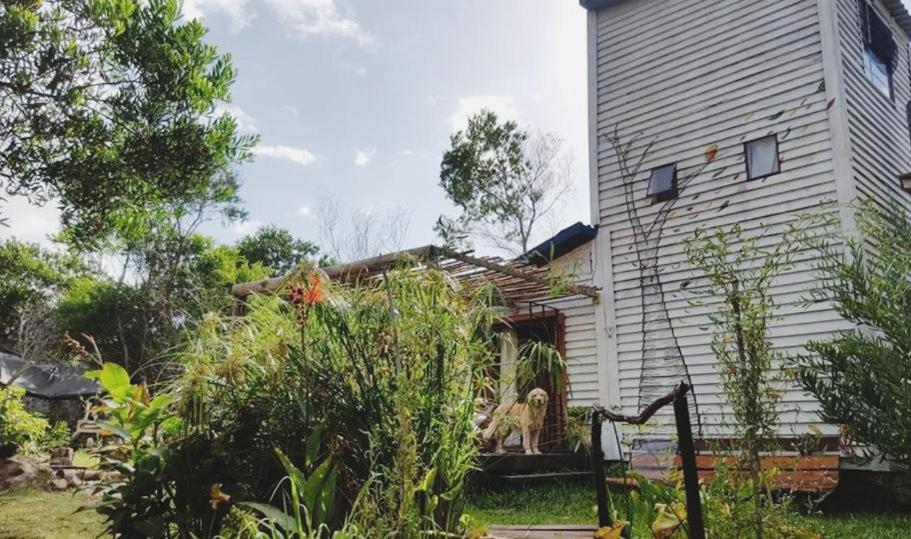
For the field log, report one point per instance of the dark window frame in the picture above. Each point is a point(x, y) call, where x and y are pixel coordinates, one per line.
point(908, 119)
point(870, 20)
point(746, 155)
point(663, 196)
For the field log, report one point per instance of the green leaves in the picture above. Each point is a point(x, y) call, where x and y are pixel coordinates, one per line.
point(501, 178)
point(312, 499)
point(139, 136)
point(113, 377)
point(862, 376)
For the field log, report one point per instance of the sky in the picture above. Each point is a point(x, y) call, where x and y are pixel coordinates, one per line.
point(355, 100)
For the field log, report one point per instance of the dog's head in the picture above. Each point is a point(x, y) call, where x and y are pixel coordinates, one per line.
point(537, 398)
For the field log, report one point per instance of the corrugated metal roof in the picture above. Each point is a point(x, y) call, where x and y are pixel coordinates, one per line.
point(896, 8)
point(561, 243)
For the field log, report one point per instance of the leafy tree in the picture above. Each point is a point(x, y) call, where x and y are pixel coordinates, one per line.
point(862, 377)
point(504, 181)
point(136, 323)
point(108, 107)
point(276, 248)
point(739, 272)
point(31, 278)
point(115, 314)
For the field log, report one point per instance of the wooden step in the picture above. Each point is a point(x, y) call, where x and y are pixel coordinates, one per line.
point(513, 463)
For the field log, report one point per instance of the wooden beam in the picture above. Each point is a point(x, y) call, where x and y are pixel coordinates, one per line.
point(581, 290)
point(349, 271)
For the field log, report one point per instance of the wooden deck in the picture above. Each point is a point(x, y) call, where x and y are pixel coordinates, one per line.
point(543, 532)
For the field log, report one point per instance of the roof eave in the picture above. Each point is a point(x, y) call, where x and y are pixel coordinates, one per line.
point(896, 8)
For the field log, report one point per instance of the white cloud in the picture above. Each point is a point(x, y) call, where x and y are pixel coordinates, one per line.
point(361, 71)
point(235, 10)
point(304, 211)
point(319, 18)
point(406, 153)
point(363, 157)
point(245, 228)
point(293, 110)
point(301, 156)
point(30, 223)
point(245, 122)
point(504, 106)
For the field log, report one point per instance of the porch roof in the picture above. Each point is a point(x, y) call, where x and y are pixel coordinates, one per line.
point(516, 281)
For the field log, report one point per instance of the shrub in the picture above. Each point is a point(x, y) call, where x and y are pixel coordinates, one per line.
point(862, 377)
point(17, 425)
point(738, 273)
point(386, 371)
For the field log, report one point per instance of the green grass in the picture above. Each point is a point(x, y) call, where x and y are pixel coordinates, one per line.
point(33, 513)
point(574, 503)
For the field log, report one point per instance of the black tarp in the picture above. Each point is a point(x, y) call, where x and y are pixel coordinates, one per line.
point(47, 380)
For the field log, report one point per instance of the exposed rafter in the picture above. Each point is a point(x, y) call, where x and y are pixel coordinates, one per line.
point(516, 281)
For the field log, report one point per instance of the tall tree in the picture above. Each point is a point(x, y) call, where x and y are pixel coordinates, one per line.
point(31, 279)
point(169, 276)
point(107, 107)
point(504, 180)
point(275, 248)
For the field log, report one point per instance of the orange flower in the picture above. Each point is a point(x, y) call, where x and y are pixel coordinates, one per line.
point(303, 296)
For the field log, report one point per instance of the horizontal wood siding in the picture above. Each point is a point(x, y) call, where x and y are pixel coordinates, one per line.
point(581, 352)
point(688, 74)
point(878, 125)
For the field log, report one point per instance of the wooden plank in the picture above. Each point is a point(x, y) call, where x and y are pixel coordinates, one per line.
point(796, 462)
point(543, 532)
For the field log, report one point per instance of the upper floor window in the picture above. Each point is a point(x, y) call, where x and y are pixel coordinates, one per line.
point(662, 185)
point(762, 157)
point(880, 49)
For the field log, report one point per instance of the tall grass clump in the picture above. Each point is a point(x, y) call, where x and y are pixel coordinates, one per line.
point(378, 378)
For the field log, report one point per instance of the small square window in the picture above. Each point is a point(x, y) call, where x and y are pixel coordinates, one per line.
point(662, 185)
point(762, 157)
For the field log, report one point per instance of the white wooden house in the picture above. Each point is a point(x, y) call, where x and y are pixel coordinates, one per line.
point(806, 103)
point(802, 103)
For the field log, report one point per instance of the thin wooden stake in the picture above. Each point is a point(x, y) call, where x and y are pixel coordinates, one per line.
point(597, 456)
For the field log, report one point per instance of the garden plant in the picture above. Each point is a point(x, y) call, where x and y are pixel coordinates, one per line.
point(371, 384)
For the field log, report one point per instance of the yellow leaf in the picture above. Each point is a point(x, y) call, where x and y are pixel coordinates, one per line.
point(611, 532)
point(668, 520)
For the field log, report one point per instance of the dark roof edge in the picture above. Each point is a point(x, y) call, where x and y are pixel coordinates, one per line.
point(595, 5)
point(896, 8)
point(900, 14)
point(560, 244)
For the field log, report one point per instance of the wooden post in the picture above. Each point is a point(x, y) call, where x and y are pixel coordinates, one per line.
point(690, 471)
point(597, 456)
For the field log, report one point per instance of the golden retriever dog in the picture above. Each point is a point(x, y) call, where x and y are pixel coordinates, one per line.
point(528, 417)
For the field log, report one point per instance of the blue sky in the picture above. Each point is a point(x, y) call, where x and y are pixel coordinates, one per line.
point(354, 100)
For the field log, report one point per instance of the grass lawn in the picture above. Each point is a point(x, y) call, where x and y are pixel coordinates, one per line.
point(574, 503)
point(33, 513)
